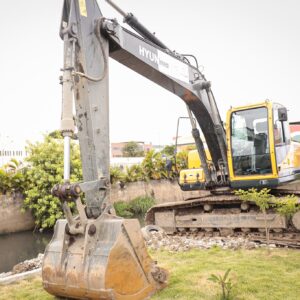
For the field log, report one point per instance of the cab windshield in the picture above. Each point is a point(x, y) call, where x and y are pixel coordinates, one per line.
point(250, 142)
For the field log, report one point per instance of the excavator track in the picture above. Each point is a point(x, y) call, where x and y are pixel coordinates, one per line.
point(225, 215)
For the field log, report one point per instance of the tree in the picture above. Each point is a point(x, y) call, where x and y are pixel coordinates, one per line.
point(285, 206)
point(45, 161)
point(56, 134)
point(263, 199)
point(168, 150)
point(132, 149)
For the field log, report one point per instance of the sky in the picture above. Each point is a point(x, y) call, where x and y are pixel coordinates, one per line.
point(248, 49)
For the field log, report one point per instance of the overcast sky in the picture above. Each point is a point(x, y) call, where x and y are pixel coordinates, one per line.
point(249, 49)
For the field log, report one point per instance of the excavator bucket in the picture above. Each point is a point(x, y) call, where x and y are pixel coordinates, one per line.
point(108, 261)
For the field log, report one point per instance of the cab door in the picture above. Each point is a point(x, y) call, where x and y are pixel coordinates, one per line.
point(251, 154)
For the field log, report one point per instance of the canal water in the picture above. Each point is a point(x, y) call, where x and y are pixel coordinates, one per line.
point(17, 247)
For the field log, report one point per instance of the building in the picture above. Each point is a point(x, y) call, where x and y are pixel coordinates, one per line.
point(10, 149)
point(123, 162)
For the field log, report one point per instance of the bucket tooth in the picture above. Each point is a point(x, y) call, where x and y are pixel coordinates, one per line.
point(110, 261)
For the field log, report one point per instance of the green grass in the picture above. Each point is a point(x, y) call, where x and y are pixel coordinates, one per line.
point(256, 275)
point(25, 289)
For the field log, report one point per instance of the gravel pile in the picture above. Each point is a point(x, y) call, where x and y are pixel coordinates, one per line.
point(25, 266)
point(160, 240)
point(28, 265)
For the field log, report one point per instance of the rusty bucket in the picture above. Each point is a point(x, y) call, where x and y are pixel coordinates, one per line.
point(108, 261)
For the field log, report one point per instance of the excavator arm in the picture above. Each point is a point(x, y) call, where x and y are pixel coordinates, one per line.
point(97, 255)
point(96, 38)
point(172, 72)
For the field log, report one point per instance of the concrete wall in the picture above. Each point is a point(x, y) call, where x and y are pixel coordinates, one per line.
point(11, 217)
point(13, 220)
point(162, 190)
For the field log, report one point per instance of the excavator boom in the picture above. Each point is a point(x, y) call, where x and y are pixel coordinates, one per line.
point(95, 255)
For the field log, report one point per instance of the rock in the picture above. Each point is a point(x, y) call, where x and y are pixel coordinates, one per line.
point(28, 265)
point(250, 245)
point(160, 240)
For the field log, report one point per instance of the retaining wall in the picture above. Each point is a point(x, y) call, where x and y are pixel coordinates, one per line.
point(11, 217)
point(13, 220)
point(162, 190)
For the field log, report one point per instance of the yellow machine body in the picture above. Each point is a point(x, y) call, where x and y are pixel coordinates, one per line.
point(260, 151)
point(193, 177)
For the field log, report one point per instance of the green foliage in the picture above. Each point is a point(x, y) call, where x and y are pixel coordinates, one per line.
point(153, 166)
point(46, 169)
point(134, 208)
point(140, 205)
point(56, 134)
point(132, 149)
point(134, 173)
point(224, 282)
point(168, 150)
point(181, 160)
point(116, 174)
point(122, 209)
point(13, 177)
point(287, 206)
point(262, 198)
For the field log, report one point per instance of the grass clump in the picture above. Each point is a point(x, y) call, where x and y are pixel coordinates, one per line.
point(135, 208)
point(122, 209)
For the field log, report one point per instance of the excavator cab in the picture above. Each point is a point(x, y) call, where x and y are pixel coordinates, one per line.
point(259, 146)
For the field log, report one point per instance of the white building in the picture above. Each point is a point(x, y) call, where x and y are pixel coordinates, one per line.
point(123, 162)
point(10, 148)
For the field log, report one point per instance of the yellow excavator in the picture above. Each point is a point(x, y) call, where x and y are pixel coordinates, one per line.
point(260, 151)
point(97, 255)
point(259, 154)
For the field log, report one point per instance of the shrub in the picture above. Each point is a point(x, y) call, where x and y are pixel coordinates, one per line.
point(46, 169)
point(134, 173)
point(13, 177)
point(135, 208)
point(287, 206)
point(123, 209)
point(116, 174)
point(140, 205)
